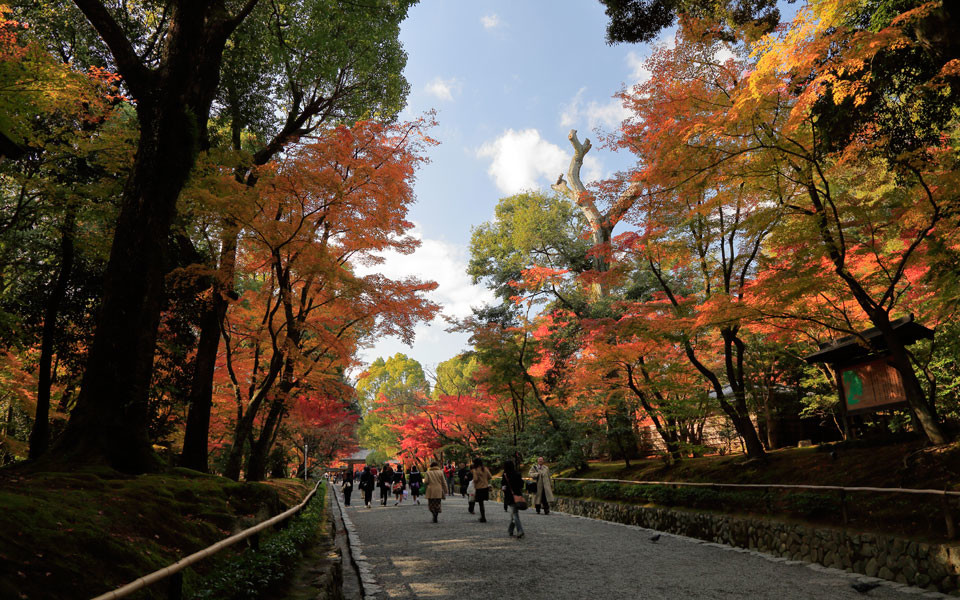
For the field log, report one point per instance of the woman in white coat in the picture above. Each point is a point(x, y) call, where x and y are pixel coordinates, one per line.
point(540, 472)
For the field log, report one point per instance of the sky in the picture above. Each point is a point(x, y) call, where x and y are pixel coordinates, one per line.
point(509, 80)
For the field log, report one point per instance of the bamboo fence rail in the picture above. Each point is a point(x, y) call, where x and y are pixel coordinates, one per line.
point(176, 568)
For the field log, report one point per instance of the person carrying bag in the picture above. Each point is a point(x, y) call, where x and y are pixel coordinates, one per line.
point(513, 496)
point(543, 494)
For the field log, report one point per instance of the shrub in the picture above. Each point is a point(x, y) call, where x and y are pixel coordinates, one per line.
point(250, 574)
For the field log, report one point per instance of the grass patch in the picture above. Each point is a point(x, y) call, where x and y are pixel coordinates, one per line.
point(79, 534)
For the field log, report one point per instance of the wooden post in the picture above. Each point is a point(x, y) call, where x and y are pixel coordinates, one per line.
point(848, 433)
point(948, 517)
point(843, 506)
point(175, 591)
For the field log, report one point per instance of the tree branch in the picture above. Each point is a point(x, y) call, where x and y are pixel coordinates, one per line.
point(137, 76)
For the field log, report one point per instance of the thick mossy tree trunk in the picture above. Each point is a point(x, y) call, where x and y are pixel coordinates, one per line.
point(109, 423)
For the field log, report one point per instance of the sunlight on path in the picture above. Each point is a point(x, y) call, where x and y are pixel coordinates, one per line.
point(570, 557)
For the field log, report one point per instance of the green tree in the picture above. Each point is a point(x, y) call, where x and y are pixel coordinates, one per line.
point(529, 229)
point(388, 391)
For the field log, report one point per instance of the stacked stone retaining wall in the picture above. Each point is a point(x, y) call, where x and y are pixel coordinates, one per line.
point(932, 566)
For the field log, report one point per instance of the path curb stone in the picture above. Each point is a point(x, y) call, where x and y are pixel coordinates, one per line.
point(368, 583)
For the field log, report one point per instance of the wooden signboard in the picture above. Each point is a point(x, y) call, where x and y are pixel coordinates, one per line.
point(872, 386)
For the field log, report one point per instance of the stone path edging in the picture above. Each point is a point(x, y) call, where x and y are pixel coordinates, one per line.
point(901, 587)
point(368, 583)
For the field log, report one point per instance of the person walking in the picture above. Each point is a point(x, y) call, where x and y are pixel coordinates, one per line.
point(367, 483)
point(385, 479)
point(463, 475)
point(481, 484)
point(513, 487)
point(450, 472)
point(416, 482)
point(540, 472)
point(347, 486)
point(436, 489)
point(399, 484)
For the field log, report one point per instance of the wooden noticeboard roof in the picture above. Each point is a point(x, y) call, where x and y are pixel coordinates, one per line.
point(852, 347)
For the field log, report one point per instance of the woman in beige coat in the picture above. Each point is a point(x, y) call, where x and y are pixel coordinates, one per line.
point(436, 488)
point(481, 483)
point(541, 473)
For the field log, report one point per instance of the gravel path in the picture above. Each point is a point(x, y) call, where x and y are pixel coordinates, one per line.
point(563, 556)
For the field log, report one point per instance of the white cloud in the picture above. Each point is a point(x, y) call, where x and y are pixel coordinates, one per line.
point(490, 21)
point(638, 70)
point(723, 55)
point(522, 160)
point(445, 263)
point(610, 114)
point(444, 89)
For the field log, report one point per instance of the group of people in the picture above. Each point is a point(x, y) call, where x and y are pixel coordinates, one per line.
point(438, 482)
point(387, 479)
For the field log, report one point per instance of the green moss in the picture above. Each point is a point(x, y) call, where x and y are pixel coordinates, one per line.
point(251, 574)
point(892, 465)
point(74, 535)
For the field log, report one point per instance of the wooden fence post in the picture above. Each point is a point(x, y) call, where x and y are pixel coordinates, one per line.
point(948, 517)
point(175, 591)
point(843, 506)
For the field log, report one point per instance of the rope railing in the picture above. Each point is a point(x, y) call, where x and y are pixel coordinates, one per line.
point(176, 568)
point(842, 490)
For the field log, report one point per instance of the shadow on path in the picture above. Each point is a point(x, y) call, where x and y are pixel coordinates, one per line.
point(563, 556)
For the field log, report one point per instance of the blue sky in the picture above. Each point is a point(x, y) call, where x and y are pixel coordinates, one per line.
point(508, 80)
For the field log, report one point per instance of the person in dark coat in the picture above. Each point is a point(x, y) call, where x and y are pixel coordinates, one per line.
point(416, 483)
point(399, 483)
point(347, 486)
point(512, 486)
point(367, 483)
point(463, 475)
point(385, 478)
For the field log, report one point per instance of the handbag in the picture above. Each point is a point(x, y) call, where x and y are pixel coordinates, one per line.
point(471, 490)
point(520, 502)
point(397, 487)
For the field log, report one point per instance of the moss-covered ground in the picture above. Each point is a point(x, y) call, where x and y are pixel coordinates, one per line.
point(904, 464)
point(79, 534)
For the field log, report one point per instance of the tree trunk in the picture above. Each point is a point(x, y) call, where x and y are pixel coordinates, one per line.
point(196, 436)
point(173, 100)
point(773, 423)
point(670, 437)
point(922, 407)
point(257, 465)
point(110, 419)
point(40, 436)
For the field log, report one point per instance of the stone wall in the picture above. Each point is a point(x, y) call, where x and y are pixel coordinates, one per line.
point(931, 566)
